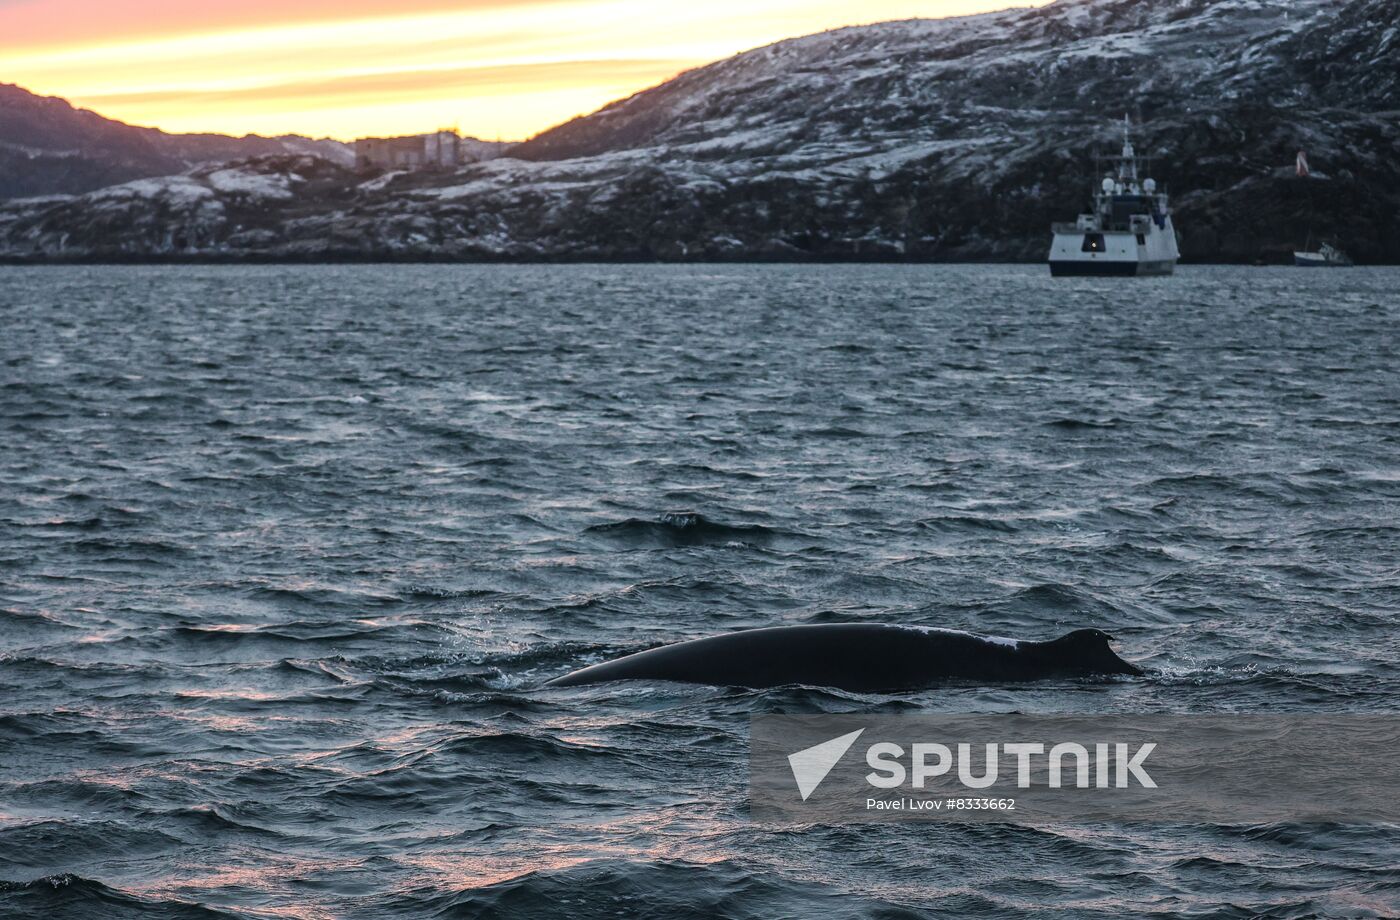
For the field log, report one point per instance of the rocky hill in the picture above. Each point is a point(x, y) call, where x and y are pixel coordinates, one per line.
point(49, 147)
point(925, 139)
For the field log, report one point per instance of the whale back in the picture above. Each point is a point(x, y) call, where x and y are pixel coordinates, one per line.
point(859, 657)
point(865, 658)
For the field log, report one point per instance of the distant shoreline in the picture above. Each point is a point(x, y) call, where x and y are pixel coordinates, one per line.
point(765, 259)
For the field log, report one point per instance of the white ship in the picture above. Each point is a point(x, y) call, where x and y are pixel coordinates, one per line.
point(1129, 232)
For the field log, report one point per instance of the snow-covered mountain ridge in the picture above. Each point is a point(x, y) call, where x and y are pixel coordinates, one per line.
point(925, 139)
point(49, 147)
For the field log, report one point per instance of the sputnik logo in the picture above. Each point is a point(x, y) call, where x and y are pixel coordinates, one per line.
point(811, 765)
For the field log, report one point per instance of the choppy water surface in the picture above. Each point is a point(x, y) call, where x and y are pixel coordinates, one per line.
point(287, 551)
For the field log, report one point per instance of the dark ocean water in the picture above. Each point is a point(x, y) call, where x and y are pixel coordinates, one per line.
point(287, 551)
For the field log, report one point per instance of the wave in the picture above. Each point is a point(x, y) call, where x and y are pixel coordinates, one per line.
point(838, 432)
point(74, 897)
point(113, 549)
point(59, 842)
point(58, 727)
point(617, 887)
point(325, 596)
point(685, 528)
point(516, 748)
point(301, 631)
point(966, 523)
point(224, 818)
point(1082, 424)
point(1058, 598)
point(434, 593)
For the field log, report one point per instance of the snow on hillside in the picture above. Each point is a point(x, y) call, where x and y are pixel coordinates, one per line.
point(892, 84)
point(250, 182)
point(337, 152)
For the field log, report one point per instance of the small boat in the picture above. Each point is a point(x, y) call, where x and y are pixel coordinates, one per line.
point(1327, 256)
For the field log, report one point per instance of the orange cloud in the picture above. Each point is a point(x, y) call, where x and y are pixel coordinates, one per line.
point(378, 87)
point(345, 68)
point(60, 23)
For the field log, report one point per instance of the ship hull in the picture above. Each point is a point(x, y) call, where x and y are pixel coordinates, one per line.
point(1078, 268)
point(1312, 260)
point(1113, 253)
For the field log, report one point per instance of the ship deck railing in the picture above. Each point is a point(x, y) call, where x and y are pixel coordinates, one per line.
point(1076, 229)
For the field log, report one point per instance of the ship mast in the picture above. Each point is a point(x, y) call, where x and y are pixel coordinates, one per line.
point(1127, 163)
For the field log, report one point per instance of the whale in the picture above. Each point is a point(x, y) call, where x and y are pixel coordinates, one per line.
point(861, 658)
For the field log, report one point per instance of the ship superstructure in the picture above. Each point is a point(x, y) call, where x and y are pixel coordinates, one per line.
point(1129, 232)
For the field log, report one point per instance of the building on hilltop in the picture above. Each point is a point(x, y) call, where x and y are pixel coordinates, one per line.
point(418, 151)
point(443, 148)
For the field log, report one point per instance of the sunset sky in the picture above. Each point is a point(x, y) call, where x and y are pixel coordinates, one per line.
point(346, 68)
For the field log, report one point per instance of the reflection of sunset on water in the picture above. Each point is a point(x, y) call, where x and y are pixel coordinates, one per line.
point(484, 865)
